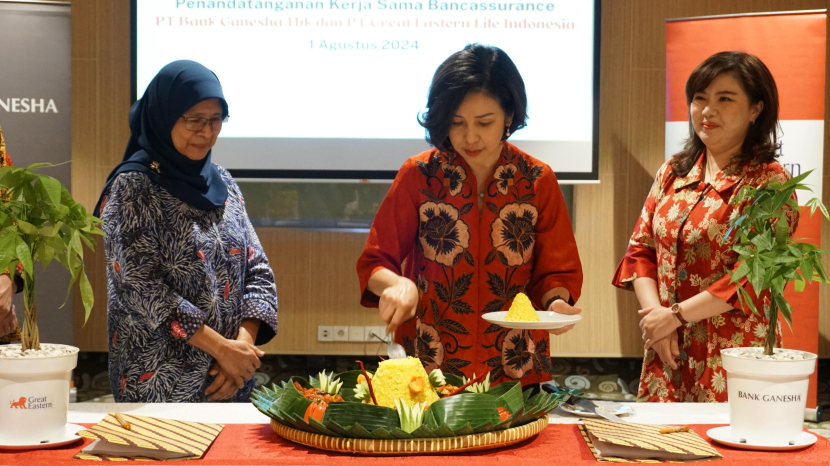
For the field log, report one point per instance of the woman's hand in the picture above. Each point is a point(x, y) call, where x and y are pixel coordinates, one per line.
point(8, 323)
point(667, 349)
point(222, 387)
point(657, 322)
point(561, 307)
point(238, 360)
point(398, 303)
point(8, 320)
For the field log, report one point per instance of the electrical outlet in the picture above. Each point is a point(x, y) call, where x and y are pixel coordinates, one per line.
point(356, 333)
point(324, 332)
point(341, 333)
point(379, 331)
point(367, 335)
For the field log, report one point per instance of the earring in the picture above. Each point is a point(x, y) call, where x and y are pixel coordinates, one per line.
point(752, 122)
point(506, 132)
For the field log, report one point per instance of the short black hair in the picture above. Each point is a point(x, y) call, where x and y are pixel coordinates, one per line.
point(476, 68)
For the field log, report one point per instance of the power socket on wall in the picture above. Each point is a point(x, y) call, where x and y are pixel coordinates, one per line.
point(340, 333)
point(356, 333)
point(324, 332)
point(370, 332)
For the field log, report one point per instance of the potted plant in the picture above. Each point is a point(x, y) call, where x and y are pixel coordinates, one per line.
point(39, 222)
point(768, 386)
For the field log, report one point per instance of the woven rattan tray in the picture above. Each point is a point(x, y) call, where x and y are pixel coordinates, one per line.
point(418, 446)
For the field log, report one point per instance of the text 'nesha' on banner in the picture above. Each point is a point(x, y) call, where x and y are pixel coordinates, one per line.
point(793, 46)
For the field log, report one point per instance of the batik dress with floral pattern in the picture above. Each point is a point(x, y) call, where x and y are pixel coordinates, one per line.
point(170, 269)
point(468, 262)
point(678, 242)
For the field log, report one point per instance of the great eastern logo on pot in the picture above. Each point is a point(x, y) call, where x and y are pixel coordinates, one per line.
point(30, 403)
point(772, 398)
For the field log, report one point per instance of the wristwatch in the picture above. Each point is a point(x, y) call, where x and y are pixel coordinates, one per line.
point(676, 310)
point(551, 300)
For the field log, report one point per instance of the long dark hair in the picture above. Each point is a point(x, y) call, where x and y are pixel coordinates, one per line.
point(761, 141)
point(477, 68)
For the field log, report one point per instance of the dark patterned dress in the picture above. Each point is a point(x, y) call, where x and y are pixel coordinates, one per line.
point(170, 269)
point(467, 262)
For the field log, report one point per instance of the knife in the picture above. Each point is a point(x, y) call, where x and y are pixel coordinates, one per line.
point(592, 407)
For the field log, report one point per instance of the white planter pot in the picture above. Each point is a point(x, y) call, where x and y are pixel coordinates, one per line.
point(767, 397)
point(34, 397)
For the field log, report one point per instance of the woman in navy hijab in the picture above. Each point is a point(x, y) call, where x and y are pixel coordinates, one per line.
point(190, 291)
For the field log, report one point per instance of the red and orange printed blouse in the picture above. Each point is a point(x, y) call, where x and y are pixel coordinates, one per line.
point(678, 242)
point(467, 262)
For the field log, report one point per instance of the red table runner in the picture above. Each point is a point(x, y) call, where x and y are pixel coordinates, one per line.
point(257, 444)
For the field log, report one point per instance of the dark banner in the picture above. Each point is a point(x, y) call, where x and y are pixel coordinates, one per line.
point(35, 96)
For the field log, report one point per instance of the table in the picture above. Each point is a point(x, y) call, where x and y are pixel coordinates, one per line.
point(246, 413)
point(248, 440)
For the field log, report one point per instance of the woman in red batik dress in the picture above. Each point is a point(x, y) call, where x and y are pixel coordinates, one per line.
point(475, 221)
point(677, 261)
point(9, 329)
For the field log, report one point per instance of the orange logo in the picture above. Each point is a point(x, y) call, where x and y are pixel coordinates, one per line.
point(19, 404)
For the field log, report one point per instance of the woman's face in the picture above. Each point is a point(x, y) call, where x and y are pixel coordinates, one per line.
point(196, 144)
point(477, 128)
point(721, 115)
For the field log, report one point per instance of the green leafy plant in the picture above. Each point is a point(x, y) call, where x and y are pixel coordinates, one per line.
point(769, 258)
point(41, 222)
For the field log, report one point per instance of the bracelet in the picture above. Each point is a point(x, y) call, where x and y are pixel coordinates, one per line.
point(676, 309)
point(551, 300)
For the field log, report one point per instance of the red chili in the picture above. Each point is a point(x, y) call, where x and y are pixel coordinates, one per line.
point(461, 388)
point(368, 382)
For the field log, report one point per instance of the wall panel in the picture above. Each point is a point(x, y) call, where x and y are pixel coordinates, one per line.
point(315, 271)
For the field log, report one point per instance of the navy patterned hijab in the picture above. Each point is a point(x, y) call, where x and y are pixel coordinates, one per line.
point(176, 88)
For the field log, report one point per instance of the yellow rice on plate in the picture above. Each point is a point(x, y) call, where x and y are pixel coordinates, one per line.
point(521, 310)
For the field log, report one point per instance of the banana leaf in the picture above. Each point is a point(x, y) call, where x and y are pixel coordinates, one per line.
point(422, 432)
point(338, 429)
point(456, 411)
point(291, 402)
point(301, 380)
point(383, 434)
point(489, 427)
point(454, 380)
point(502, 388)
point(462, 414)
point(357, 431)
point(401, 434)
point(443, 431)
point(349, 380)
point(370, 417)
point(508, 396)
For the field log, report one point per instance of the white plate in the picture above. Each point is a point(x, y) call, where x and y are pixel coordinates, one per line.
point(66, 437)
point(548, 320)
point(724, 435)
point(613, 408)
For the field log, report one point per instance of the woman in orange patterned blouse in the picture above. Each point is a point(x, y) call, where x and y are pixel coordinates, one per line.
point(677, 261)
point(9, 329)
point(475, 221)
